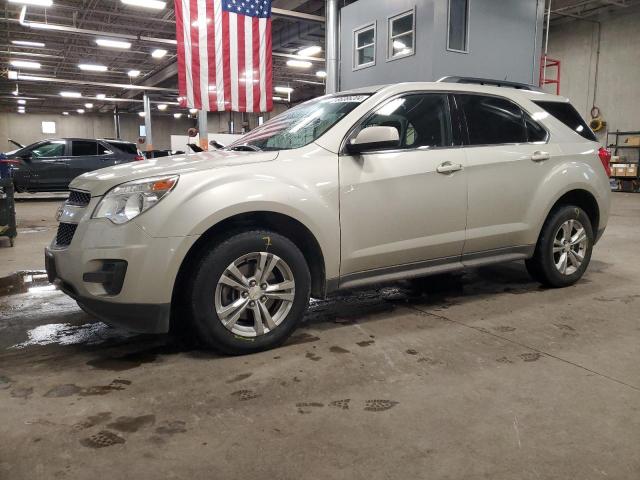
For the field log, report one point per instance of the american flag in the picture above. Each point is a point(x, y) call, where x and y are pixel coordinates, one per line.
point(224, 54)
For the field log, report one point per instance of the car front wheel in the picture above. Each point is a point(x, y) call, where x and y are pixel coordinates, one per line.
point(249, 292)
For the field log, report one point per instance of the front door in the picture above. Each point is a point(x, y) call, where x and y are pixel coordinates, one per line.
point(406, 204)
point(48, 166)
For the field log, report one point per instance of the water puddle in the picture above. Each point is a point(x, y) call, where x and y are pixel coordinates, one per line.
point(68, 334)
point(28, 281)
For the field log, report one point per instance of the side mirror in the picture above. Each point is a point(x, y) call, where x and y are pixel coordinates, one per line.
point(374, 138)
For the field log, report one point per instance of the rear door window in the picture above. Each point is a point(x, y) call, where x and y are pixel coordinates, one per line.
point(567, 114)
point(492, 120)
point(83, 148)
point(129, 148)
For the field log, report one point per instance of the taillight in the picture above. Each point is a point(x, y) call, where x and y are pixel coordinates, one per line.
point(139, 158)
point(605, 158)
point(10, 162)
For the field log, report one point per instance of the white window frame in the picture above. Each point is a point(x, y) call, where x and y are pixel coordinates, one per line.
point(47, 131)
point(391, 37)
point(466, 46)
point(356, 49)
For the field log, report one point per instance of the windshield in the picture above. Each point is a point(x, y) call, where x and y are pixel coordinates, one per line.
point(301, 125)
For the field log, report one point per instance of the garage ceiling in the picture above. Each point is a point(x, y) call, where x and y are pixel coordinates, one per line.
point(585, 9)
point(85, 21)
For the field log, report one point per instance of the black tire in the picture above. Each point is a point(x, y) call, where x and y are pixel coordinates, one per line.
point(542, 265)
point(201, 287)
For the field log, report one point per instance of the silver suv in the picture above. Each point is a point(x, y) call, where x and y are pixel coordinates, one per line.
point(370, 185)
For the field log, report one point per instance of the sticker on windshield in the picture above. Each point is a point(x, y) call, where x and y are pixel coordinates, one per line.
point(347, 99)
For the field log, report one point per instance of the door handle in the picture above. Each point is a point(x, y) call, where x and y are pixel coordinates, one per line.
point(540, 156)
point(448, 167)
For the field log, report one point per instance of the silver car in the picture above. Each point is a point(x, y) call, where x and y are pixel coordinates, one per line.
point(365, 186)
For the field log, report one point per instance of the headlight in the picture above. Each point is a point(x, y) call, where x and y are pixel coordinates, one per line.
point(130, 199)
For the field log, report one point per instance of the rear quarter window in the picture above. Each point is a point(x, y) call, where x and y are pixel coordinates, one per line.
point(567, 114)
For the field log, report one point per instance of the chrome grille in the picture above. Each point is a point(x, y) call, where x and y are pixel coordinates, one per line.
point(79, 198)
point(65, 234)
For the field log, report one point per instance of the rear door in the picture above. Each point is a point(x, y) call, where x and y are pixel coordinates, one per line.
point(84, 158)
point(507, 159)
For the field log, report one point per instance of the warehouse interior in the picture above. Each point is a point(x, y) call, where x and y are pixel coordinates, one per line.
point(400, 363)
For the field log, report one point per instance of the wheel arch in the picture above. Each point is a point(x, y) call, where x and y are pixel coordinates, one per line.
point(280, 223)
point(583, 199)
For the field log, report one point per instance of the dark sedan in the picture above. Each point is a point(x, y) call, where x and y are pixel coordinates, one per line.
point(50, 165)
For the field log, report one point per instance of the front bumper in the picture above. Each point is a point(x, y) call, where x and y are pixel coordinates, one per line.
point(119, 273)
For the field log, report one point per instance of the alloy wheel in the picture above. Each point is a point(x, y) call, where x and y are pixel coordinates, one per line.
point(569, 247)
point(254, 294)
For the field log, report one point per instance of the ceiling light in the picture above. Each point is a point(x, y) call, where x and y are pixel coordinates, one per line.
point(71, 94)
point(21, 102)
point(25, 64)
point(278, 99)
point(12, 75)
point(141, 114)
point(21, 111)
point(310, 51)
point(158, 53)
point(299, 63)
point(80, 110)
point(321, 74)
point(39, 3)
point(105, 42)
point(21, 108)
point(100, 96)
point(92, 68)
point(65, 113)
point(133, 73)
point(162, 107)
point(16, 91)
point(25, 43)
point(177, 115)
point(284, 89)
point(397, 44)
point(88, 105)
point(193, 110)
point(157, 4)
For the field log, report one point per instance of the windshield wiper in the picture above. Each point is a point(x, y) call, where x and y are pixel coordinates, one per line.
point(245, 148)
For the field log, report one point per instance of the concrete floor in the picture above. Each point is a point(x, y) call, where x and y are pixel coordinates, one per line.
point(486, 376)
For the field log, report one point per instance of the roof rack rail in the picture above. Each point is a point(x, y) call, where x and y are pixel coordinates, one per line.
point(488, 81)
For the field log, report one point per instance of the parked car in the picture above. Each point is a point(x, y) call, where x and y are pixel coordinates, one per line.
point(50, 165)
point(366, 186)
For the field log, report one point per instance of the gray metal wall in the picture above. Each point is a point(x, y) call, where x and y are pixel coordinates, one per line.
point(504, 42)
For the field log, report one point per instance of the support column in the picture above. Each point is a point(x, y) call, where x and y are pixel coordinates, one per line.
point(331, 45)
point(116, 121)
point(203, 130)
point(147, 122)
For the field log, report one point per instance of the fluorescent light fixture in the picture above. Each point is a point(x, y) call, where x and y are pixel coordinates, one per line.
point(80, 110)
point(310, 51)
point(106, 42)
point(299, 63)
point(25, 43)
point(155, 4)
point(193, 110)
point(12, 75)
point(100, 96)
point(65, 113)
point(141, 114)
point(158, 53)
point(133, 73)
point(321, 74)
point(92, 68)
point(177, 115)
point(71, 94)
point(21, 111)
point(162, 107)
point(284, 89)
point(39, 3)
point(279, 99)
point(25, 64)
point(88, 105)
point(21, 102)
point(399, 45)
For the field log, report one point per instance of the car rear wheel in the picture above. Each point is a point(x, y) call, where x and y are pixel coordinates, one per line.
point(564, 248)
point(249, 292)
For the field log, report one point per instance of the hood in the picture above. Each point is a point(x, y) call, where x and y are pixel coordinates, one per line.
point(98, 182)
